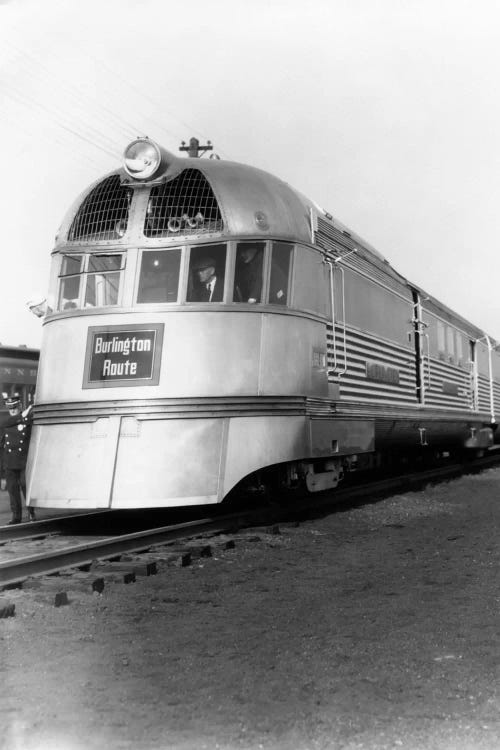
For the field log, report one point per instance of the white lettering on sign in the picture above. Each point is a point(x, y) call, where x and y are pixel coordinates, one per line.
point(125, 346)
point(119, 368)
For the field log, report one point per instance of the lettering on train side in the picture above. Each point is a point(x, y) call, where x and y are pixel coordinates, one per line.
point(382, 373)
point(123, 355)
point(451, 389)
point(125, 346)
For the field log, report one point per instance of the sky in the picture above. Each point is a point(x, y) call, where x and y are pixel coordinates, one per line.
point(385, 112)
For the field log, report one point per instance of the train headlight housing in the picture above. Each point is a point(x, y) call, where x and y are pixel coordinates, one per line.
point(142, 159)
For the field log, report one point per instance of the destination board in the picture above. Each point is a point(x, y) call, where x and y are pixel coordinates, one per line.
point(123, 355)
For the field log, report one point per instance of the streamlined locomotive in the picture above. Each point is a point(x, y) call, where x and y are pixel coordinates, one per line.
point(208, 324)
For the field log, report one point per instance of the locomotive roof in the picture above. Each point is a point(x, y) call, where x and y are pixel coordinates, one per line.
point(245, 193)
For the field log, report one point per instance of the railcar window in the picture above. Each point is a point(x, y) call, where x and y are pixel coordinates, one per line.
point(103, 280)
point(280, 272)
point(450, 333)
point(441, 343)
point(159, 279)
point(71, 264)
point(69, 290)
point(207, 269)
point(248, 272)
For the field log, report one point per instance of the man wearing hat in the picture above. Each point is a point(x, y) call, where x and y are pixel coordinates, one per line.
point(15, 433)
point(207, 285)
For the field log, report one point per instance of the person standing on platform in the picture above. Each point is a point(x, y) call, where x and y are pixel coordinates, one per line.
point(15, 432)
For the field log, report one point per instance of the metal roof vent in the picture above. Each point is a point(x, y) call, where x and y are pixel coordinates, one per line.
point(185, 205)
point(103, 214)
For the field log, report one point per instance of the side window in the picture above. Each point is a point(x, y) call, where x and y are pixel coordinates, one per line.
point(207, 267)
point(280, 273)
point(450, 333)
point(69, 285)
point(441, 342)
point(159, 278)
point(248, 272)
point(103, 280)
point(460, 349)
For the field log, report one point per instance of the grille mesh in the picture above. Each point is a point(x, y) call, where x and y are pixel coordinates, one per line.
point(337, 243)
point(103, 214)
point(185, 205)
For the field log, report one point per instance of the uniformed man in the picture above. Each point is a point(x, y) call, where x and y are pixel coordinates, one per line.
point(15, 433)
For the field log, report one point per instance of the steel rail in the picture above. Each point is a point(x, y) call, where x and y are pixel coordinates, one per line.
point(15, 571)
point(43, 527)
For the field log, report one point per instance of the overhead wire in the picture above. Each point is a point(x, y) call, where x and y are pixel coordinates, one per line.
point(62, 121)
point(14, 91)
point(109, 117)
point(90, 133)
point(139, 91)
point(20, 125)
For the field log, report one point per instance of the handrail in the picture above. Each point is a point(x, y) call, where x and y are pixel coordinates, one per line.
point(330, 263)
point(419, 327)
point(426, 336)
point(344, 335)
point(332, 302)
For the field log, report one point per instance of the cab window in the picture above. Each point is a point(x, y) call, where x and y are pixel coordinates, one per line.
point(103, 280)
point(248, 273)
point(69, 287)
point(207, 265)
point(159, 277)
point(96, 277)
point(281, 255)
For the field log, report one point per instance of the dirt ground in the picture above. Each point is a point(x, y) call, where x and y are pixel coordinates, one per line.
point(375, 627)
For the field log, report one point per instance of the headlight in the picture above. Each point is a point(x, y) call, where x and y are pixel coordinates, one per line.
point(142, 159)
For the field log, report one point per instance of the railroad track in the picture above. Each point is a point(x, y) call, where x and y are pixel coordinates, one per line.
point(77, 555)
point(63, 553)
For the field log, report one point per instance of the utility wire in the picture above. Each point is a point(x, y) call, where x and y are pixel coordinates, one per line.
point(136, 89)
point(60, 113)
point(55, 115)
point(93, 132)
point(52, 135)
point(127, 129)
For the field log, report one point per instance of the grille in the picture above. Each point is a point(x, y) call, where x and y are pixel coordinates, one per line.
point(337, 243)
point(103, 214)
point(332, 239)
point(185, 205)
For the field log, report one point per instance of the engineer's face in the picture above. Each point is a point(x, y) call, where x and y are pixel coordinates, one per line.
point(205, 274)
point(248, 254)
